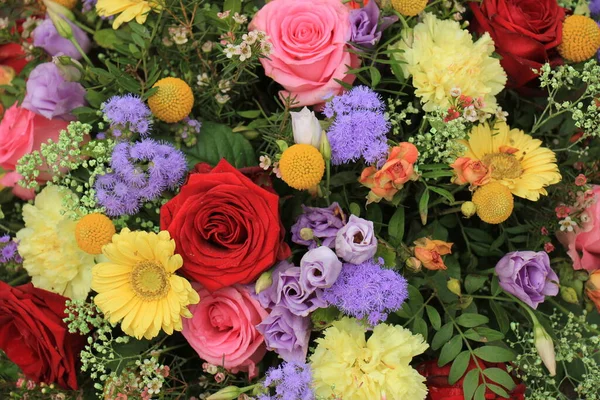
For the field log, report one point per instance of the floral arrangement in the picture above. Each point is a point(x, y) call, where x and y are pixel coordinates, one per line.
point(299, 199)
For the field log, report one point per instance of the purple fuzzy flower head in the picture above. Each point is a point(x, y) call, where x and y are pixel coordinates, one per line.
point(291, 380)
point(286, 334)
point(366, 29)
point(9, 250)
point(594, 6)
point(318, 223)
point(50, 95)
point(356, 241)
point(359, 128)
point(319, 268)
point(528, 276)
point(127, 112)
point(367, 291)
point(88, 5)
point(46, 36)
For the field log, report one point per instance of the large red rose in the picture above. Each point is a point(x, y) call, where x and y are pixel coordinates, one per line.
point(226, 228)
point(34, 336)
point(526, 34)
point(441, 389)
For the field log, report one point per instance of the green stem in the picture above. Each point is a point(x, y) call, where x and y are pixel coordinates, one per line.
point(327, 180)
point(6, 228)
point(419, 310)
point(566, 311)
point(18, 279)
point(80, 50)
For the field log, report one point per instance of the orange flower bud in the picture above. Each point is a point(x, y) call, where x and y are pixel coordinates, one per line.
point(430, 252)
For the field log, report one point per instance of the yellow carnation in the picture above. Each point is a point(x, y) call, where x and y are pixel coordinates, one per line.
point(50, 252)
point(347, 366)
point(440, 56)
point(127, 10)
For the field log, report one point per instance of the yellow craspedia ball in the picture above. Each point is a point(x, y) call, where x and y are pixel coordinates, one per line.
point(301, 166)
point(66, 3)
point(173, 101)
point(581, 38)
point(409, 8)
point(494, 203)
point(93, 231)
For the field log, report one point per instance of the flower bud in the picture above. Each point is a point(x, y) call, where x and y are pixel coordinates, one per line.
point(306, 127)
point(325, 147)
point(592, 288)
point(264, 282)
point(60, 23)
point(453, 285)
point(569, 294)
point(307, 234)
point(468, 209)
point(545, 347)
point(69, 68)
point(6, 74)
point(413, 264)
point(227, 393)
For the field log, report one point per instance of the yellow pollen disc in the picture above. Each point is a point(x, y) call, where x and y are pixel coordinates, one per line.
point(302, 166)
point(581, 38)
point(503, 165)
point(173, 101)
point(409, 8)
point(150, 281)
point(494, 203)
point(93, 231)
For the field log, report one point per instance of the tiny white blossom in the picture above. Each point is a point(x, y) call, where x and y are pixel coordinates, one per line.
point(224, 85)
point(250, 37)
point(203, 79)
point(230, 50)
point(265, 162)
point(455, 92)
point(245, 51)
point(222, 99)
point(223, 15)
point(470, 114)
point(567, 224)
point(207, 46)
point(501, 114)
point(276, 170)
point(585, 217)
point(240, 19)
point(4, 23)
point(167, 42)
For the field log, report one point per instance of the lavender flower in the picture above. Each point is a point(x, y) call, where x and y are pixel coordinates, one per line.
point(356, 242)
point(286, 334)
point(46, 36)
point(127, 112)
point(9, 250)
point(366, 30)
point(292, 381)
point(141, 172)
point(88, 5)
point(594, 6)
point(367, 291)
point(359, 128)
point(320, 223)
point(319, 268)
point(49, 94)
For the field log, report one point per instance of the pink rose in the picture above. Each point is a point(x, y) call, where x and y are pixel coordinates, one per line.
point(21, 132)
point(309, 47)
point(583, 244)
point(223, 331)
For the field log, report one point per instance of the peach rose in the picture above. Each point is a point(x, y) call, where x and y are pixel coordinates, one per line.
point(309, 47)
point(429, 252)
point(222, 329)
point(592, 288)
point(470, 171)
point(21, 132)
point(583, 244)
point(397, 170)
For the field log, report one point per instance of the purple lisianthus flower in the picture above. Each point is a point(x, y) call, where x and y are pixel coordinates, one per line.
point(286, 334)
point(366, 30)
point(46, 36)
point(527, 275)
point(356, 242)
point(323, 224)
point(50, 95)
point(319, 268)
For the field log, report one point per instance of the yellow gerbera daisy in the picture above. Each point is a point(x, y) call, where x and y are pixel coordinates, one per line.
point(138, 284)
point(128, 10)
point(515, 159)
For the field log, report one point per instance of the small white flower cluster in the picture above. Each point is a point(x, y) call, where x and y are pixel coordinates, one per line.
point(29, 25)
point(253, 42)
point(179, 34)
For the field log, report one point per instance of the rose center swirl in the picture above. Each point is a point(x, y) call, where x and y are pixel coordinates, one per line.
point(150, 280)
point(503, 165)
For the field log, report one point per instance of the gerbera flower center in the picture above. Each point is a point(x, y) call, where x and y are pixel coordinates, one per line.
point(503, 165)
point(150, 280)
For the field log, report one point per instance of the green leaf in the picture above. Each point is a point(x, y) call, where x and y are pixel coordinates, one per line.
point(496, 289)
point(474, 282)
point(355, 209)
point(343, 178)
point(396, 225)
point(375, 76)
point(251, 114)
point(434, 317)
point(107, 38)
point(483, 334)
point(500, 376)
point(450, 350)
point(442, 336)
point(470, 320)
point(470, 383)
point(459, 366)
point(374, 214)
point(501, 316)
point(233, 5)
point(423, 206)
point(498, 390)
point(480, 392)
point(419, 326)
point(443, 192)
point(494, 354)
point(217, 141)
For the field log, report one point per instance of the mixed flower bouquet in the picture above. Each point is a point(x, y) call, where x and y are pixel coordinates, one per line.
point(299, 199)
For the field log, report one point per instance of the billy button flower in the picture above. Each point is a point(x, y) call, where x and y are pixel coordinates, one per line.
point(409, 8)
point(494, 203)
point(173, 101)
point(94, 231)
point(581, 38)
point(302, 166)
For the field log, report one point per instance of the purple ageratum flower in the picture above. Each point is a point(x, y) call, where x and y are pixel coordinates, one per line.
point(356, 242)
point(366, 30)
point(88, 5)
point(367, 291)
point(594, 6)
point(286, 334)
point(292, 381)
point(319, 268)
point(359, 128)
point(527, 275)
point(10, 252)
point(127, 112)
point(50, 95)
point(46, 36)
point(323, 222)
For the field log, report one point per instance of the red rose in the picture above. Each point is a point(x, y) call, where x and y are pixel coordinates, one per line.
point(34, 336)
point(440, 388)
point(226, 228)
point(526, 34)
